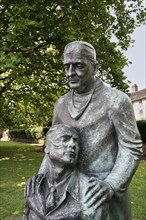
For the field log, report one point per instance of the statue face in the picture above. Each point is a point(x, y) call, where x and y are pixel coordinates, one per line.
point(65, 148)
point(79, 70)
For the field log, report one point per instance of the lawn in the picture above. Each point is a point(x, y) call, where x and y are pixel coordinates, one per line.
point(20, 161)
point(17, 163)
point(138, 192)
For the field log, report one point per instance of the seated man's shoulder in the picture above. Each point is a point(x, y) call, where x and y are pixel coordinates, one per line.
point(83, 177)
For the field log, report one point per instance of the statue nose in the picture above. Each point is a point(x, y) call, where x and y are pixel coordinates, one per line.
point(71, 71)
point(71, 143)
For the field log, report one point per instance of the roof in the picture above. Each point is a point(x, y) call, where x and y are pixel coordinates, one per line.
point(139, 95)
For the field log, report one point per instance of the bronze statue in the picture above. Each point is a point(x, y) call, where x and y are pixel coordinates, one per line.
point(60, 193)
point(110, 144)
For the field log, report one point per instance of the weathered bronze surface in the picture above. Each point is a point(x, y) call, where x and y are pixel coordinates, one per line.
point(61, 192)
point(110, 145)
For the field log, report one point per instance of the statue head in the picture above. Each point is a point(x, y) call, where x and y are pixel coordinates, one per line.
point(62, 144)
point(80, 65)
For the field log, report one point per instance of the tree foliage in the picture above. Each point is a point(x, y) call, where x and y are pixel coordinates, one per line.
point(33, 35)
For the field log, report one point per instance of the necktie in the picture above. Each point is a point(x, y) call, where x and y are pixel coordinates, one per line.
point(50, 202)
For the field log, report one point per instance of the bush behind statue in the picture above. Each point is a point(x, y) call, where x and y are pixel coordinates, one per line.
point(30, 134)
point(36, 133)
point(19, 133)
point(142, 129)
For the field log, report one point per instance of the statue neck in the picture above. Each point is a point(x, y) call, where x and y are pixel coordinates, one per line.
point(86, 88)
point(59, 171)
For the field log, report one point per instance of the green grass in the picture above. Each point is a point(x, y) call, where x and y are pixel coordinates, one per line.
point(138, 192)
point(17, 163)
point(20, 161)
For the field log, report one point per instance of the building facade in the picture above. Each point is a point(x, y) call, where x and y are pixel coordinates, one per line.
point(138, 98)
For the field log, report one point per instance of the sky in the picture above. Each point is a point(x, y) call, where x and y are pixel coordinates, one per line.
point(136, 72)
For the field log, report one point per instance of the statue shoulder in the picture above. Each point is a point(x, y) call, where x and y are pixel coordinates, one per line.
point(84, 179)
point(62, 99)
point(116, 97)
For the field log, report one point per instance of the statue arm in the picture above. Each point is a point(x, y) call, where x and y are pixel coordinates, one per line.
point(55, 119)
point(26, 213)
point(129, 152)
point(34, 197)
point(129, 147)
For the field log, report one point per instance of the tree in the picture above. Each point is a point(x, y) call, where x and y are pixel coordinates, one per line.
point(33, 35)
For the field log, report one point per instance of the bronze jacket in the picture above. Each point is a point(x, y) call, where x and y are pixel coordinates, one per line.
point(110, 141)
point(70, 205)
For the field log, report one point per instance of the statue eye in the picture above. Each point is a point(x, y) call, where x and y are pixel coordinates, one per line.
point(66, 67)
point(62, 139)
point(76, 140)
point(80, 65)
point(66, 138)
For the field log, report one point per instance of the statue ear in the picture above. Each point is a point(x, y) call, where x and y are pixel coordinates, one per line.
point(46, 150)
point(47, 144)
point(96, 67)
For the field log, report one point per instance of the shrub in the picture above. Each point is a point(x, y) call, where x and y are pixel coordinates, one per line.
point(142, 130)
point(45, 130)
point(19, 133)
point(34, 133)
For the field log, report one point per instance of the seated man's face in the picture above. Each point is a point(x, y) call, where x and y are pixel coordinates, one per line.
point(65, 148)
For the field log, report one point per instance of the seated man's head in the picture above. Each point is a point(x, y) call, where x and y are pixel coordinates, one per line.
point(62, 144)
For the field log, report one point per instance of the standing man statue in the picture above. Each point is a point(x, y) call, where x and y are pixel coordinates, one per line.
point(110, 141)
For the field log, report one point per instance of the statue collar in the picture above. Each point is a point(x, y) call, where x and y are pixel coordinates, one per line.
point(77, 103)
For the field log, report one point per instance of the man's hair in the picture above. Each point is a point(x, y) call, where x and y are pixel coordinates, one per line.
point(56, 130)
point(87, 49)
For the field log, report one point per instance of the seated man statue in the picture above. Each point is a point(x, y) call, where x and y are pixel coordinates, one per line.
point(60, 193)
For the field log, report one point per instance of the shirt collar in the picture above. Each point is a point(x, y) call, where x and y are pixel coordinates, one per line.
point(73, 186)
point(70, 184)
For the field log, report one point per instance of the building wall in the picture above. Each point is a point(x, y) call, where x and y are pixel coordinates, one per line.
point(140, 109)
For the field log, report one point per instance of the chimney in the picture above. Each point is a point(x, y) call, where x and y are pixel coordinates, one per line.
point(134, 88)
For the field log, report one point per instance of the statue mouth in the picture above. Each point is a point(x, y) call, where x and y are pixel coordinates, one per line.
point(73, 81)
point(70, 153)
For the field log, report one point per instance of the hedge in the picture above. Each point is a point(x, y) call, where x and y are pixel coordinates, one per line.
point(20, 133)
point(37, 133)
point(142, 130)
